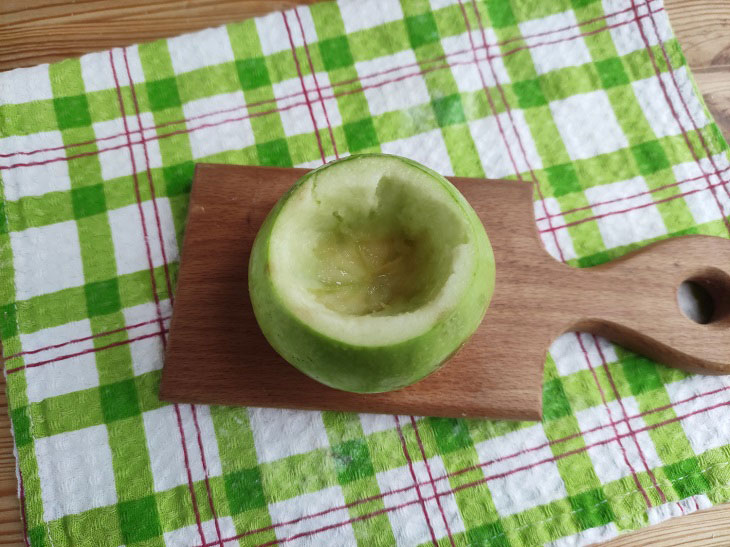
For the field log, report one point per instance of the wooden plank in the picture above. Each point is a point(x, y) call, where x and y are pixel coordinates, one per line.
point(11, 526)
point(38, 31)
point(701, 26)
point(707, 528)
point(715, 85)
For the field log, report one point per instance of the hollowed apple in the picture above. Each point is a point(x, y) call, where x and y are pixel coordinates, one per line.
point(370, 272)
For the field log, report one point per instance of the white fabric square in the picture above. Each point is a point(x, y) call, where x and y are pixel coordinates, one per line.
point(279, 433)
point(408, 521)
point(294, 106)
point(392, 82)
point(383, 69)
point(60, 370)
point(98, 73)
point(206, 431)
point(601, 425)
point(96, 70)
point(466, 71)
point(147, 349)
point(130, 247)
point(427, 148)
point(623, 219)
point(701, 404)
point(489, 136)
point(139, 318)
point(374, 423)
point(650, 94)
point(625, 30)
point(75, 472)
point(132, 66)
point(588, 125)
point(520, 470)
point(587, 537)
point(660, 513)
point(705, 195)
point(41, 169)
point(327, 528)
point(438, 4)
point(361, 15)
point(190, 535)
point(165, 444)
point(563, 45)
point(550, 232)
point(570, 357)
point(46, 259)
point(218, 124)
point(142, 327)
point(24, 85)
point(207, 47)
point(114, 156)
point(273, 33)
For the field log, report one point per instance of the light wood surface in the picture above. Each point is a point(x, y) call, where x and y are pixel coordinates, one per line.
point(498, 373)
point(38, 31)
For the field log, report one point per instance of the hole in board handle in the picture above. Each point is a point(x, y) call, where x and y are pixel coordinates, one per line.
point(696, 302)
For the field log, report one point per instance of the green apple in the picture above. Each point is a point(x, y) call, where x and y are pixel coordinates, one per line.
point(370, 272)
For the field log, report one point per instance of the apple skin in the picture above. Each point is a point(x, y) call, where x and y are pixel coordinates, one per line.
point(369, 369)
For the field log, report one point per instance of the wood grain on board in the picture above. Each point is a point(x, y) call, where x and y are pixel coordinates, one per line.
point(40, 31)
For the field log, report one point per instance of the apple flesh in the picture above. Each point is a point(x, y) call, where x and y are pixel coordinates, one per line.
point(370, 272)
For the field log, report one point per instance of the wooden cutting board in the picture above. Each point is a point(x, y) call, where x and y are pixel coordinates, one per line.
point(216, 353)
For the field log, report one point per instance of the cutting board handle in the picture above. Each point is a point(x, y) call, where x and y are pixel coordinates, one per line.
point(633, 301)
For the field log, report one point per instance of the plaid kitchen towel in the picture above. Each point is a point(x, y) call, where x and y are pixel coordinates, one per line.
point(591, 100)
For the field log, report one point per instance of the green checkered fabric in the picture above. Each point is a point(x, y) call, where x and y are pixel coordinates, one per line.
point(591, 100)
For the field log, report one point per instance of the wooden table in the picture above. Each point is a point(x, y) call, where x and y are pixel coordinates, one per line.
point(38, 31)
